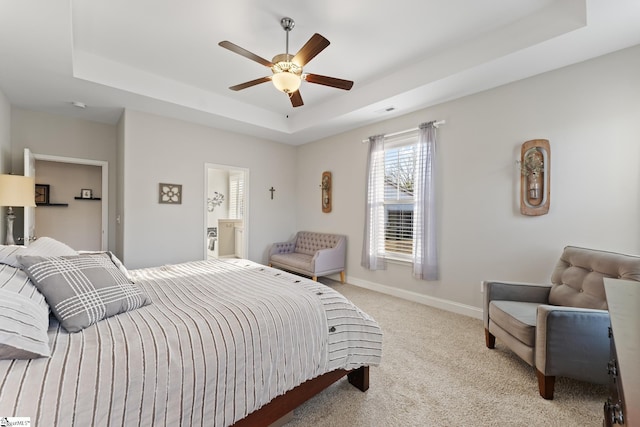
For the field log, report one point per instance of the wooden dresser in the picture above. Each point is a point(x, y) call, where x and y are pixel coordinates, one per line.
point(623, 405)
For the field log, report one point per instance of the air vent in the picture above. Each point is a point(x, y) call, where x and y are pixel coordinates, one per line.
point(385, 110)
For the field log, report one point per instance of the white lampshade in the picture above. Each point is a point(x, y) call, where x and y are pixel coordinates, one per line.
point(286, 82)
point(17, 190)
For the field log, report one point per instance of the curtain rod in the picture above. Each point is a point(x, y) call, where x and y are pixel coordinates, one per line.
point(435, 124)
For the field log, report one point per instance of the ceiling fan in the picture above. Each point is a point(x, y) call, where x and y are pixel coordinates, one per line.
point(288, 69)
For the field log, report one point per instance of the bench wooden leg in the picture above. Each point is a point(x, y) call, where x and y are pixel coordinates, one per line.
point(342, 278)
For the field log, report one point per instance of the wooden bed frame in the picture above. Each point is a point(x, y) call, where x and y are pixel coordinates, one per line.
point(282, 405)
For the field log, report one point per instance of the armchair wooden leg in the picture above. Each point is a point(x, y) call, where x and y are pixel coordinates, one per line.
point(314, 278)
point(342, 278)
point(489, 339)
point(546, 385)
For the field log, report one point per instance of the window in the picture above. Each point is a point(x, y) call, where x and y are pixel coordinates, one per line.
point(399, 175)
point(400, 207)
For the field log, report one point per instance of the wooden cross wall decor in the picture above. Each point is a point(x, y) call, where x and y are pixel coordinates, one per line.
point(272, 190)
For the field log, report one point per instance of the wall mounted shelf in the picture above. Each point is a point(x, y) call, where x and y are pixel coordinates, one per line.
point(86, 198)
point(53, 204)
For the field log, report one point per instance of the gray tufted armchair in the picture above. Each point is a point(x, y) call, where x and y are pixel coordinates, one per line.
point(560, 329)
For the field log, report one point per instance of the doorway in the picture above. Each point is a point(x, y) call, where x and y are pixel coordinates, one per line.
point(226, 211)
point(85, 192)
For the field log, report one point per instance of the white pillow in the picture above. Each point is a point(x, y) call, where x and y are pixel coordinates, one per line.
point(24, 316)
point(46, 246)
point(8, 254)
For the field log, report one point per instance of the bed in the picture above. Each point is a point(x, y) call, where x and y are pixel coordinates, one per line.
point(218, 342)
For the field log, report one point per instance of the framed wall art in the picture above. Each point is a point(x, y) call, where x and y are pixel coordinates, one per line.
point(42, 194)
point(170, 194)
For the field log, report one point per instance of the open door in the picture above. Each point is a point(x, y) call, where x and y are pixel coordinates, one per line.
point(226, 215)
point(29, 213)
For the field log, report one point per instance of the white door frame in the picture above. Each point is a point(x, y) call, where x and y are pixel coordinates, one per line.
point(105, 187)
point(245, 216)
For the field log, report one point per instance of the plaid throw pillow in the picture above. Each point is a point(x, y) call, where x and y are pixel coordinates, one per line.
point(82, 290)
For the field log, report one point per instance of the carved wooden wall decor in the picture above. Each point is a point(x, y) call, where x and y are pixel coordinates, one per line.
point(325, 186)
point(535, 167)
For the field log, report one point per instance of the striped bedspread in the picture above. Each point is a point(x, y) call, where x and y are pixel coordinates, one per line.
point(221, 339)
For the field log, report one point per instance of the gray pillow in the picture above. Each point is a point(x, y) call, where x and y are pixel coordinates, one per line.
point(83, 289)
point(115, 260)
point(24, 316)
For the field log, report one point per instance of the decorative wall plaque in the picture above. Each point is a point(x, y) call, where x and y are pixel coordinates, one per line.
point(535, 162)
point(170, 194)
point(325, 186)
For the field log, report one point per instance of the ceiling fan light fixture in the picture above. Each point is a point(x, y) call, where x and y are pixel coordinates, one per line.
point(286, 81)
point(286, 69)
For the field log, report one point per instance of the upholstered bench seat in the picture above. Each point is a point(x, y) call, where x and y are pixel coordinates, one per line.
point(294, 260)
point(312, 254)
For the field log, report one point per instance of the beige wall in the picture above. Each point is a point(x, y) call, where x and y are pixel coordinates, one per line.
point(218, 180)
point(5, 153)
point(61, 136)
point(5, 134)
point(590, 113)
point(120, 179)
point(157, 149)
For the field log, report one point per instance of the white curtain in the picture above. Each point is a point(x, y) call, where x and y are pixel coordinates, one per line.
point(373, 242)
point(425, 256)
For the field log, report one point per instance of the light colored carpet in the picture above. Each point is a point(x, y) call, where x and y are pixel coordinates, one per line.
point(437, 371)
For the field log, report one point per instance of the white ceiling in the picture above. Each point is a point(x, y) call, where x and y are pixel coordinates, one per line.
point(162, 56)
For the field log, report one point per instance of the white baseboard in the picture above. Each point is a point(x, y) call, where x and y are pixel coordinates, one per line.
point(443, 304)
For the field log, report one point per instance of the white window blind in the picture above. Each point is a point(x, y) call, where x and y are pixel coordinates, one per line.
point(236, 196)
point(399, 175)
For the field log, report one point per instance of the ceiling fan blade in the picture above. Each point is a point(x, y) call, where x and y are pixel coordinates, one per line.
point(250, 83)
point(296, 99)
point(244, 52)
point(329, 81)
point(314, 46)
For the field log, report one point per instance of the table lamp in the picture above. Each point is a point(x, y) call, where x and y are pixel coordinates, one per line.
point(16, 191)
